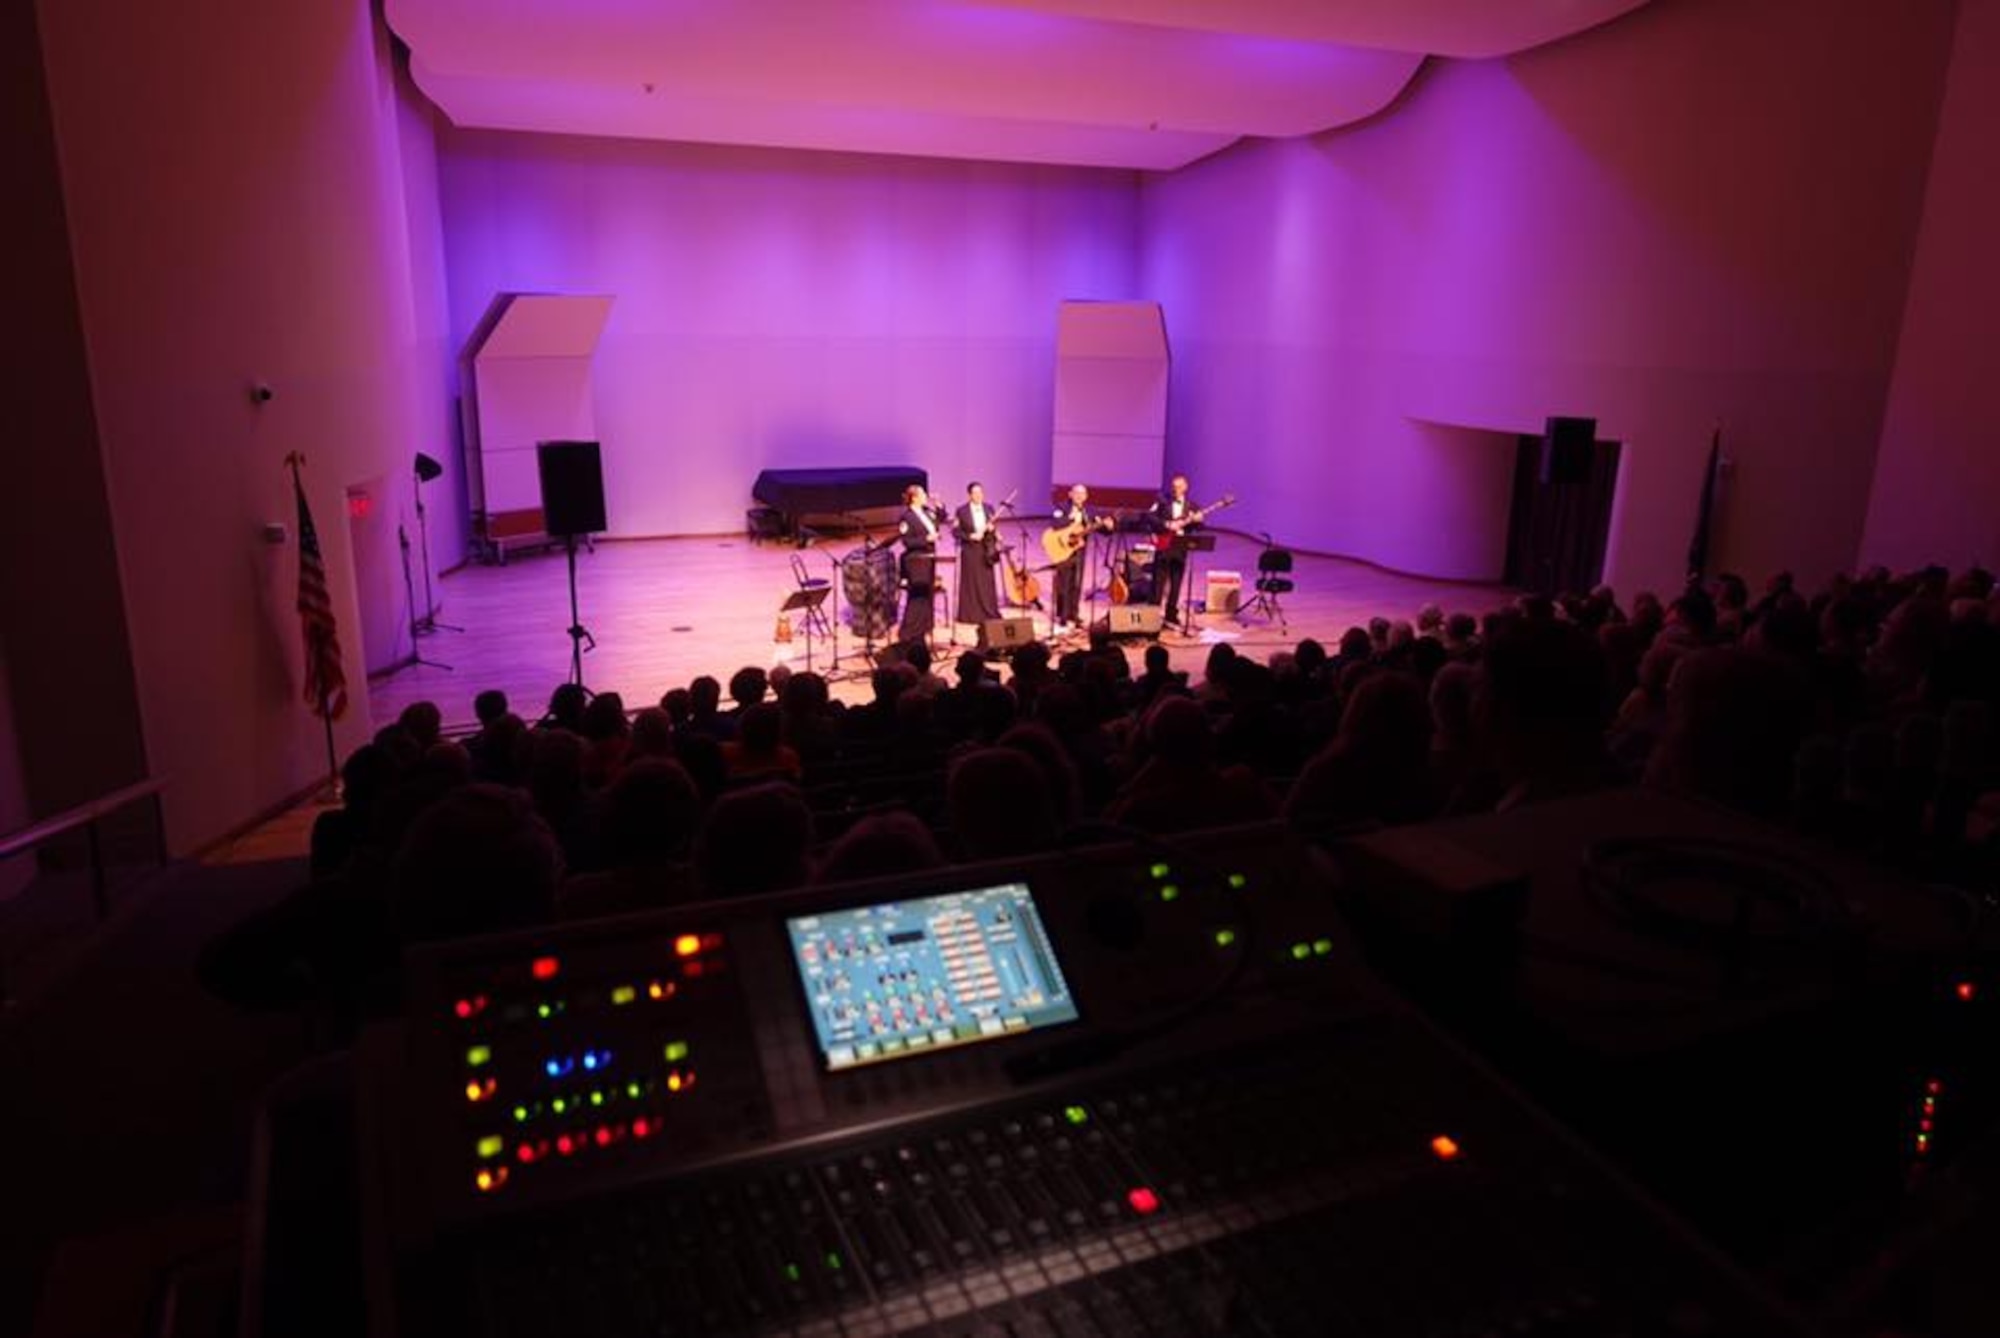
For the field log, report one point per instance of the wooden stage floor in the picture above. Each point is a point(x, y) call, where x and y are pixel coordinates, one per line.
point(666, 610)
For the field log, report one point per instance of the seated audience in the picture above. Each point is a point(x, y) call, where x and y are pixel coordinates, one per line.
point(759, 751)
point(753, 841)
point(879, 846)
point(649, 815)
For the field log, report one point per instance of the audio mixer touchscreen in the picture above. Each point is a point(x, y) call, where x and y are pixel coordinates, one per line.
point(907, 977)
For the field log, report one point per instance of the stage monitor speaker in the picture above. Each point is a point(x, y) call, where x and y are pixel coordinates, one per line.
point(1006, 633)
point(572, 487)
point(1133, 620)
point(1566, 448)
point(1224, 592)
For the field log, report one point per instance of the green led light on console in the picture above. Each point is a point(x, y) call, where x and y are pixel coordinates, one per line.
point(1237, 882)
point(1170, 891)
point(1322, 947)
point(478, 1056)
point(1301, 951)
point(676, 1051)
point(1076, 1114)
point(1225, 938)
point(1160, 871)
point(492, 1146)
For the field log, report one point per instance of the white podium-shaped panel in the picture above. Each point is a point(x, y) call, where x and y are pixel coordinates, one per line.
point(1110, 398)
point(530, 373)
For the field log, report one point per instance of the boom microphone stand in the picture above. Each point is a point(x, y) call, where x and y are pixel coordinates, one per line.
point(410, 596)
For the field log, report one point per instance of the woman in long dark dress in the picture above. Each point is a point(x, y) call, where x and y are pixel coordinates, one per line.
point(978, 557)
point(918, 530)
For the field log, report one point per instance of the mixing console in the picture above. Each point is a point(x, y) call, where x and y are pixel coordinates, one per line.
point(1188, 1110)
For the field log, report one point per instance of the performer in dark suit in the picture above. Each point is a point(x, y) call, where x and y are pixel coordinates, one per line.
point(1172, 516)
point(978, 556)
point(918, 531)
point(1075, 515)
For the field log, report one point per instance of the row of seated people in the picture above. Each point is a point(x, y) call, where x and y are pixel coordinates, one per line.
point(1863, 711)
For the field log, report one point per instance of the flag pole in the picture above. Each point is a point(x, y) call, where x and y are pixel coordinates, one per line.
point(332, 766)
point(293, 460)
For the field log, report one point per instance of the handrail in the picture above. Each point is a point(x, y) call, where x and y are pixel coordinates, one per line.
point(87, 816)
point(13, 843)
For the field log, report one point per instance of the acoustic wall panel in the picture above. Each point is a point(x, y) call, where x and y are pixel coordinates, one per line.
point(531, 376)
point(1110, 397)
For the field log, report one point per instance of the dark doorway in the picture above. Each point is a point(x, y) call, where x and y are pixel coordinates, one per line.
point(1556, 532)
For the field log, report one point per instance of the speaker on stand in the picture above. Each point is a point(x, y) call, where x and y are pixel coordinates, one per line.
point(572, 477)
point(427, 469)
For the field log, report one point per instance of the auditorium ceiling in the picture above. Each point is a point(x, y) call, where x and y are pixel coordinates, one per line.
point(1145, 84)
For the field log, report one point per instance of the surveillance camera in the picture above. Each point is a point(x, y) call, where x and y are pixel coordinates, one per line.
point(262, 393)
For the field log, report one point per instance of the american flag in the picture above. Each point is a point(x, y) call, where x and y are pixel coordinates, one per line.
point(326, 685)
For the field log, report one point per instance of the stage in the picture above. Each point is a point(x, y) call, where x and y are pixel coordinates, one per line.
point(666, 610)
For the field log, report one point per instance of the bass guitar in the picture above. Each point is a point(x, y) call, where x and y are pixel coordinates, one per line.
point(1173, 533)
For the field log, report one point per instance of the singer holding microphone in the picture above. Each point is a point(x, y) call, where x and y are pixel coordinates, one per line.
point(917, 529)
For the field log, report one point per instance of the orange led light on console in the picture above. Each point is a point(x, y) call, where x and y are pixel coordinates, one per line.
point(1444, 1148)
point(687, 945)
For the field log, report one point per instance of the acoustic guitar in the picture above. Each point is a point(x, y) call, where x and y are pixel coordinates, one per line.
point(1023, 590)
point(1061, 542)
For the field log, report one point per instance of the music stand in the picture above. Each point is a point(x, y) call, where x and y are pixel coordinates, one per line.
point(808, 600)
point(1192, 544)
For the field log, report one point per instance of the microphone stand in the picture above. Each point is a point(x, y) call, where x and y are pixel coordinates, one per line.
point(410, 596)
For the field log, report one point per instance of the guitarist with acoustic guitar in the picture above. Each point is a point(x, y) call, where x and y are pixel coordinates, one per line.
point(1172, 517)
point(1066, 541)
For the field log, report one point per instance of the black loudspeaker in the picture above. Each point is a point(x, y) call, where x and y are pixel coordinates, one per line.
point(572, 487)
point(1566, 447)
point(427, 468)
point(1133, 620)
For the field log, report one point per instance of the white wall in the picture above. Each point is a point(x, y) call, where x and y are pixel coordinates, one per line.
point(235, 184)
point(1703, 211)
point(1937, 481)
point(780, 308)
